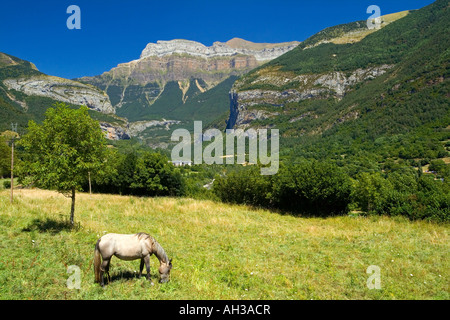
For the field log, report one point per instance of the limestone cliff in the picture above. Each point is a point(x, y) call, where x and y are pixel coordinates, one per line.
point(260, 51)
point(62, 90)
point(301, 87)
point(135, 87)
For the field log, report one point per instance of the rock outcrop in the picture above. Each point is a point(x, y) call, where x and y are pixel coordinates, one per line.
point(261, 52)
point(302, 87)
point(134, 128)
point(138, 84)
point(113, 132)
point(176, 67)
point(62, 90)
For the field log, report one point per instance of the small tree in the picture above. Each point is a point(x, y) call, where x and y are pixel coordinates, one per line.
point(60, 153)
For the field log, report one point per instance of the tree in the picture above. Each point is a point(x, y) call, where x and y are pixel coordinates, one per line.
point(440, 168)
point(371, 190)
point(154, 175)
point(60, 153)
point(314, 187)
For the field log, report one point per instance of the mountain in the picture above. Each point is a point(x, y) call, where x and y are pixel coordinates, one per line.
point(26, 93)
point(276, 83)
point(179, 80)
point(169, 74)
point(348, 90)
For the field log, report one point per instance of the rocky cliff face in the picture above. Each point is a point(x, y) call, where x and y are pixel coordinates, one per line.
point(136, 86)
point(175, 67)
point(114, 132)
point(62, 90)
point(26, 93)
point(301, 87)
point(261, 52)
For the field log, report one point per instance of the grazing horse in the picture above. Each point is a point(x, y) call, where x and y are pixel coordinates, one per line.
point(129, 247)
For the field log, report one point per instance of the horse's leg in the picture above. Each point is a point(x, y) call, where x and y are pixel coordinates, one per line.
point(104, 267)
point(141, 267)
point(107, 271)
point(147, 265)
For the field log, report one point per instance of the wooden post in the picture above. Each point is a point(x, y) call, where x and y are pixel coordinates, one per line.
point(14, 129)
point(72, 208)
point(12, 170)
point(90, 189)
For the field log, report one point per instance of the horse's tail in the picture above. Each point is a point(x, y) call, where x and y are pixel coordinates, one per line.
point(97, 261)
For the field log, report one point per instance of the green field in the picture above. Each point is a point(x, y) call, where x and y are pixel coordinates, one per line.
point(219, 251)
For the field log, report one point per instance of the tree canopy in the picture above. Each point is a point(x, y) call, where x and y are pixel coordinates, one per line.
point(60, 153)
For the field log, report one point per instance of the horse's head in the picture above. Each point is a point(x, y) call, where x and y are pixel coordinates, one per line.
point(164, 271)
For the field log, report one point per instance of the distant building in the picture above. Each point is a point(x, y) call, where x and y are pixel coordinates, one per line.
point(179, 163)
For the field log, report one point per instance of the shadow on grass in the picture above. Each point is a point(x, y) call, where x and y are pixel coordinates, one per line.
point(51, 226)
point(125, 275)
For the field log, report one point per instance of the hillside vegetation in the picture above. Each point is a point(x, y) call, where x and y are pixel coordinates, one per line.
point(401, 113)
point(219, 251)
point(387, 125)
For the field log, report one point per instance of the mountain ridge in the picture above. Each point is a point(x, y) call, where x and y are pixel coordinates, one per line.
point(173, 79)
point(261, 51)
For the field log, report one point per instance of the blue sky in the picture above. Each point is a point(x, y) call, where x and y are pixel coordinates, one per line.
point(114, 32)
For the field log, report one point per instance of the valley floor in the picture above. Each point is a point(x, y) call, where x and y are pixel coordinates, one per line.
point(219, 251)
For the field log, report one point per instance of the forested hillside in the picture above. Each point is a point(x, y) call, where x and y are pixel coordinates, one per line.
point(399, 106)
point(376, 110)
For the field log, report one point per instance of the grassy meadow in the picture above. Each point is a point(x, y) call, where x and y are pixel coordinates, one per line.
point(219, 251)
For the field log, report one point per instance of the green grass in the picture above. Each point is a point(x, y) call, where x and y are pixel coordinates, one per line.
point(219, 251)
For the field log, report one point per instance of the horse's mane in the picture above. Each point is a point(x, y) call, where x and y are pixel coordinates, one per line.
point(158, 250)
point(142, 235)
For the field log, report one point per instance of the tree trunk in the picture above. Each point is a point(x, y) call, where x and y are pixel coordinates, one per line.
point(12, 171)
point(72, 209)
point(90, 189)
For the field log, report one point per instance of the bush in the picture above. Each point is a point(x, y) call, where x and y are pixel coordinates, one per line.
point(154, 175)
point(309, 188)
point(404, 194)
point(244, 185)
point(7, 184)
point(146, 174)
point(318, 188)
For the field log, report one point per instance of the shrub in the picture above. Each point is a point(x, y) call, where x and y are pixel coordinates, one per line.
point(318, 188)
point(154, 175)
point(403, 194)
point(309, 188)
point(7, 184)
point(244, 186)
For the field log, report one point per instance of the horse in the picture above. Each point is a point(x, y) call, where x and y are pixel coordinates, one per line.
point(129, 247)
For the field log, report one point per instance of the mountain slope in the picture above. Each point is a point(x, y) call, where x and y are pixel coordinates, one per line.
point(26, 93)
point(387, 93)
